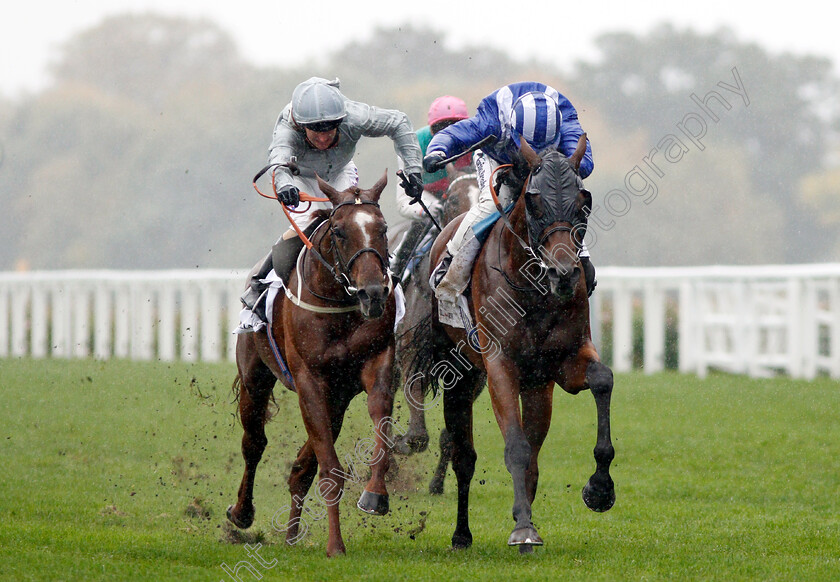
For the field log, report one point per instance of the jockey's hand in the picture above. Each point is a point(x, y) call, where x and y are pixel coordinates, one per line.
point(414, 185)
point(288, 195)
point(434, 161)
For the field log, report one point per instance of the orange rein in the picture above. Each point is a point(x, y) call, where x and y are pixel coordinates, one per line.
point(304, 197)
point(493, 189)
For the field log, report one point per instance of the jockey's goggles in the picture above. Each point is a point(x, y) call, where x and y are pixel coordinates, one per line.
point(323, 126)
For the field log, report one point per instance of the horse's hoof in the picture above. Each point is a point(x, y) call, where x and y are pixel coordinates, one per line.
point(461, 541)
point(242, 520)
point(337, 551)
point(599, 494)
point(436, 487)
point(373, 503)
point(525, 536)
point(410, 444)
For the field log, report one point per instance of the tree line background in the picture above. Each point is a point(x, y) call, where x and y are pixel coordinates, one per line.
point(140, 154)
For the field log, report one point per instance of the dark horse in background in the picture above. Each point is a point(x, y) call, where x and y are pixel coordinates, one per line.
point(335, 330)
point(459, 197)
point(529, 333)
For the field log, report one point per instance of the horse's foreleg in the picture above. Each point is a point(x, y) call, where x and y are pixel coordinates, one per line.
point(599, 492)
point(536, 420)
point(376, 378)
point(303, 474)
point(254, 394)
point(504, 394)
point(317, 417)
point(458, 415)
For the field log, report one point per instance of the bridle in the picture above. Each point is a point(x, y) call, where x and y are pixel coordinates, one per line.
point(341, 269)
point(529, 246)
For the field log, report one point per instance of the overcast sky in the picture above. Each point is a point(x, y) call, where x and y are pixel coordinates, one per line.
point(282, 32)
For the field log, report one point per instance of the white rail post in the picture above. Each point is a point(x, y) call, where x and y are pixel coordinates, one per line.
point(39, 325)
point(20, 320)
point(810, 329)
point(622, 328)
point(122, 322)
point(654, 327)
point(211, 326)
point(189, 322)
point(60, 318)
point(795, 328)
point(4, 320)
point(687, 342)
point(167, 316)
point(234, 307)
point(142, 327)
point(834, 341)
point(102, 320)
point(80, 299)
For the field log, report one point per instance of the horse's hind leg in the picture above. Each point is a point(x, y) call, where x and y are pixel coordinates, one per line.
point(458, 414)
point(416, 440)
point(599, 492)
point(376, 379)
point(436, 484)
point(257, 383)
point(303, 473)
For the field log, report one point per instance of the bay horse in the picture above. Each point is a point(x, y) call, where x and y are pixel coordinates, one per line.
point(528, 335)
point(334, 328)
point(459, 197)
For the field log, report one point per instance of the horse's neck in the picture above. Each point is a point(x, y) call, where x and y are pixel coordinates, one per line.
point(318, 278)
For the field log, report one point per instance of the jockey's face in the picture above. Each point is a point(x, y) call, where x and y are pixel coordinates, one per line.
point(321, 140)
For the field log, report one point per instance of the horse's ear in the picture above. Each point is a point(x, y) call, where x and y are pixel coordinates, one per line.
point(531, 157)
point(328, 190)
point(376, 191)
point(580, 150)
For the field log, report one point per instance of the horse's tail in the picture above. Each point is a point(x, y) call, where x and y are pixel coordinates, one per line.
point(236, 388)
point(419, 356)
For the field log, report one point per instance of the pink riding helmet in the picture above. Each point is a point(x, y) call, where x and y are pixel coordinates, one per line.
point(447, 107)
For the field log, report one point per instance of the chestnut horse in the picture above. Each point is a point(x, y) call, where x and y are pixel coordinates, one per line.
point(335, 331)
point(530, 332)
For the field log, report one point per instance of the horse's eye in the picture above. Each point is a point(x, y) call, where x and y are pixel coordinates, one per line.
point(340, 234)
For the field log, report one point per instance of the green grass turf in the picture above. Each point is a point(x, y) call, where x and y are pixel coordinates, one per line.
point(122, 471)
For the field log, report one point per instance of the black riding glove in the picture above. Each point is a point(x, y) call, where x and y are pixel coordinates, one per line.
point(289, 195)
point(414, 185)
point(434, 161)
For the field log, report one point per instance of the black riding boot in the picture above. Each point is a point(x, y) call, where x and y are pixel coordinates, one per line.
point(285, 253)
point(256, 287)
point(589, 275)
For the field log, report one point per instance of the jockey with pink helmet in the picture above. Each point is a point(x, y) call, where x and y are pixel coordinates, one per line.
point(443, 112)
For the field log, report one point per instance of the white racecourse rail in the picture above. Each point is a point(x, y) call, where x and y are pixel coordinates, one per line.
point(753, 320)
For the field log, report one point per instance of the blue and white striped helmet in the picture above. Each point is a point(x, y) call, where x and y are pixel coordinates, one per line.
point(536, 117)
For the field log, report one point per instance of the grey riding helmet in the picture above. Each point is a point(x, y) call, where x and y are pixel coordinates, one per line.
point(317, 104)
